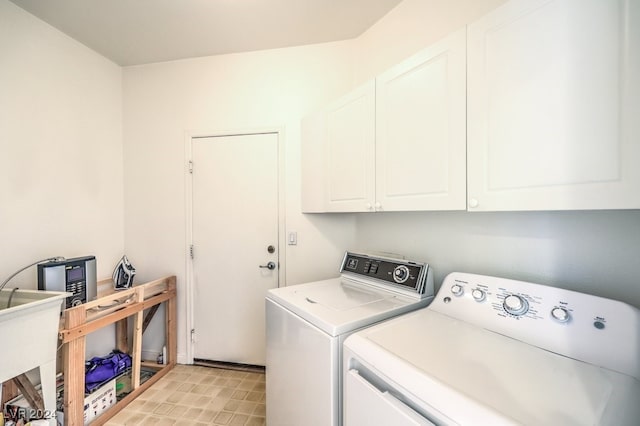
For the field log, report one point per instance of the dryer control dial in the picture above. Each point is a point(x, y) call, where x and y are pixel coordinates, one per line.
point(478, 295)
point(457, 290)
point(560, 314)
point(515, 305)
point(400, 274)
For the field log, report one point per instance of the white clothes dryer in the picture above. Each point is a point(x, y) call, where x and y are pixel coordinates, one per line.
point(307, 324)
point(493, 351)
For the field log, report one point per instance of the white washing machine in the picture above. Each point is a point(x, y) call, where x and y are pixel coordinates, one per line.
point(307, 324)
point(492, 351)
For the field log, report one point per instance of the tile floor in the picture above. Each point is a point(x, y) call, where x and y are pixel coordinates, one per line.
point(195, 395)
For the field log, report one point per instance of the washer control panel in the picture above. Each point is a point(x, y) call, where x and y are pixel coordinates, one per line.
point(593, 329)
point(405, 275)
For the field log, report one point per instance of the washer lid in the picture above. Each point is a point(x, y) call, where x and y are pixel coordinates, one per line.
point(468, 373)
point(340, 305)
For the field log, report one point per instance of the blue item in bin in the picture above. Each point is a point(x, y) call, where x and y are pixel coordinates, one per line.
point(99, 370)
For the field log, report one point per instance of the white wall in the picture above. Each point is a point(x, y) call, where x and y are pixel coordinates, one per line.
point(590, 251)
point(60, 149)
point(238, 92)
point(410, 27)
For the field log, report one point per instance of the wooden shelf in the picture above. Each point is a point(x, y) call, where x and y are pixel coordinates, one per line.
point(115, 307)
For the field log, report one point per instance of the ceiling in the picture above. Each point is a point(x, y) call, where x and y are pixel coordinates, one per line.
point(133, 32)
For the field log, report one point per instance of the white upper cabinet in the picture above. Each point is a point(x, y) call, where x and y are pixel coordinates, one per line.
point(553, 106)
point(421, 130)
point(350, 156)
point(396, 143)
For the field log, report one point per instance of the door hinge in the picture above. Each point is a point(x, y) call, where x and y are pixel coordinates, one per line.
point(191, 251)
point(193, 335)
point(190, 166)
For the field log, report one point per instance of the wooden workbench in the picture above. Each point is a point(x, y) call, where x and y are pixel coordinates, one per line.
point(115, 307)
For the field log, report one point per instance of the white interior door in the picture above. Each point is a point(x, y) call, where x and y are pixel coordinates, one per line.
point(235, 231)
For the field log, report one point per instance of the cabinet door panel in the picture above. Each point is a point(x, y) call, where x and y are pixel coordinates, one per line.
point(420, 130)
point(547, 106)
point(350, 155)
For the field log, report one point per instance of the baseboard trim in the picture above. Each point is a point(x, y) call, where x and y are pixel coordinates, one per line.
point(229, 365)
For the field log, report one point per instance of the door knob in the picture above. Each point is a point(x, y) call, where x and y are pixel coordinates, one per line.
point(270, 265)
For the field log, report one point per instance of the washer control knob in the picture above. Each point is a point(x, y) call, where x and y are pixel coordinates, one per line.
point(457, 290)
point(515, 305)
point(400, 274)
point(478, 294)
point(560, 314)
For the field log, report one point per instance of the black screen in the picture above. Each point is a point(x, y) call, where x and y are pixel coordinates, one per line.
point(75, 274)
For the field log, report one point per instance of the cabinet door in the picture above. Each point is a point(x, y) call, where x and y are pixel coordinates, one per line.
point(553, 111)
point(350, 152)
point(421, 130)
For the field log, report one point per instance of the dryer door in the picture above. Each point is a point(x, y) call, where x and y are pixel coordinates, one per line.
point(366, 405)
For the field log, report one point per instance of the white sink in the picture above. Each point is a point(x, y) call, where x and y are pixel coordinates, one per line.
point(29, 337)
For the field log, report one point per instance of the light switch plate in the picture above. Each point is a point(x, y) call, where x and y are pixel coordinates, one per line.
point(292, 238)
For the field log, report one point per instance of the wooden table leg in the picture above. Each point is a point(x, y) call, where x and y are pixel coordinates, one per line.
point(170, 329)
point(136, 356)
point(122, 338)
point(74, 371)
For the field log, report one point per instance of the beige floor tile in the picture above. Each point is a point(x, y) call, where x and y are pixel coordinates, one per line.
point(239, 394)
point(148, 407)
point(254, 396)
point(256, 421)
point(225, 393)
point(157, 420)
point(134, 419)
point(201, 389)
point(207, 415)
point(246, 385)
point(177, 412)
point(246, 407)
point(203, 401)
point(161, 396)
point(193, 413)
point(171, 385)
point(175, 397)
point(191, 399)
point(233, 383)
point(220, 381)
point(239, 420)
point(223, 418)
point(195, 378)
point(207, 379)
point(218, 403)
point(178, 377)
point(196, 395)
point(146, 395)
point(186, 387)
point(214, 391)
point(260, 410)
point(163, 409)
point(120, 418)
point(231, 405)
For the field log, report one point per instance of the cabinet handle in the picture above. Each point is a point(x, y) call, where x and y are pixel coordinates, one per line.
point(368, 206)
point(378, 205)
point(473, 203)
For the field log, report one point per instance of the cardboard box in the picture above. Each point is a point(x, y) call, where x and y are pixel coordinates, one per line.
point(96, 402)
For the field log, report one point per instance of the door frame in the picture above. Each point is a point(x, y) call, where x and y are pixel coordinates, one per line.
point(190, 135)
